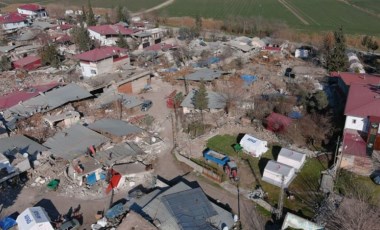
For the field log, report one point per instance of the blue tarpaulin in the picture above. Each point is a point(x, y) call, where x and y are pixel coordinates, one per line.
point(115, 211)
point(295, 115)
point(7, 223)
point(248, 79)
point(91, 179)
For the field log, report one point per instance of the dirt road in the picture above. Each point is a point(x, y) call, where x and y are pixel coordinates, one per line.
point(154, 8)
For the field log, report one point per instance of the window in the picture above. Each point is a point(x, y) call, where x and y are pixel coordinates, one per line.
point(93, 71)
point(353, 121)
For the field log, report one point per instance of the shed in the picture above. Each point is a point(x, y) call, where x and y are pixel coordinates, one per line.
point(253, 146)
point(28, 63)
point(34, 218)
point(291, 158)
point(274, 172)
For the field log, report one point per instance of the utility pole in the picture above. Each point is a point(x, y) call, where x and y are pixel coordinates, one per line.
point(280, 200)
point(336, 157)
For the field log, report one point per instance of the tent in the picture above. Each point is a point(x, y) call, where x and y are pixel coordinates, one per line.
point(274, 172)
point(7, 223)
point(34, 218)
point(291, 158)
point(248, 79)
point(253, 146)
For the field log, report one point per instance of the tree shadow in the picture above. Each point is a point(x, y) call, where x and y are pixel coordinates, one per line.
point(275, 151)
point(262, 163)
point(10, 189)
point(49, 207)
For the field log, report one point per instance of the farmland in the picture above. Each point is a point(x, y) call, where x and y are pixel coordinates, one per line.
point(310, 15)
point(361, 17)
point(132, 5)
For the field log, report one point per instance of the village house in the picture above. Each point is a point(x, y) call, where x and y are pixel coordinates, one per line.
point(27, 63)
point(216, 102)
point(361, 135)
point(107, 35)
point(149, 37)
point(13, 21)
point(102, 60)
point(32, 11)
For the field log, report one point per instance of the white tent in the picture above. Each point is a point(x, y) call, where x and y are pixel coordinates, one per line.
point(274, 172)
point(253, 146)
point(292, 158)
point(34, 218)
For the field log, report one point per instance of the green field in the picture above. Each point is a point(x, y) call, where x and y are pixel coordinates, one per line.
point(371, 5)
point(316, 15)
point(132, 5)
point(303, 15)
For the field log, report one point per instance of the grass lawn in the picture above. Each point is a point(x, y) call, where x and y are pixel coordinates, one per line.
point(348, 181)
point(305, 186)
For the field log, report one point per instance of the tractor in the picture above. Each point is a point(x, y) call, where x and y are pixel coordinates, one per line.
point(231, 170)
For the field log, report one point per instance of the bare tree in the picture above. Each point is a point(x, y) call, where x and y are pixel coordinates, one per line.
point(376, 159)
point(231, 92)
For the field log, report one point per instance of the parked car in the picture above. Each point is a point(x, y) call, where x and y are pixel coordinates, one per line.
point(146, 105)
point(70, 225)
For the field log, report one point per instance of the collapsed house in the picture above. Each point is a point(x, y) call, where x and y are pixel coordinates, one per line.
point(113, 128)
point(179, 207)
point(216, 102)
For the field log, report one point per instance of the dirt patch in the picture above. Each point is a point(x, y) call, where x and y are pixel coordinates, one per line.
point(207, 24)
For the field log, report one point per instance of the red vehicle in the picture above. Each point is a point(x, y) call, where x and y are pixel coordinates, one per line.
point(231, 170)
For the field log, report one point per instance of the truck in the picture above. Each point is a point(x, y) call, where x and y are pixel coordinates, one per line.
point(231, 170)
point(218, 158)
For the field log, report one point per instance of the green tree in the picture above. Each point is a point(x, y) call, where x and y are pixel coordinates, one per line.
point(82, 18)
point(5, 64)
point(198, 23)
point(318, 102)
point(82, 38)
point(336, 58)
point(122, 42)
point(90, 16)
point(200, 99)
point(374, 46)
point(122, 14)
point(107, 18)
point(50, 56)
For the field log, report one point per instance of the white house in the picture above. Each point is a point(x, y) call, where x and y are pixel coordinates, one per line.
point(149, 37)
point(253, 146)
point(291, 158)
point(32, 11)
point(275, 172)
point(107, 35)
point(361, 130)
point(34, 218)
point(13, 21)
point(102, 60)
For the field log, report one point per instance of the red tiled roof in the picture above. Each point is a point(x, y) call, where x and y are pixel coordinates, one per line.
point(159, 46)
point(363, 100)
point(354, 144)
point(14, 98)
point(26, 60)
point(99, 53)
point(12, 18)
point(31, 7)
point(356, 78)
point(62, 27)
point(111, 30)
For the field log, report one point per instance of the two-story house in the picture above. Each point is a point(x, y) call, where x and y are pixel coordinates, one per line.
point(13, 21)
point(102, 60)
point(107, 35)
point(32, 11)
point(361, 134)
point(149, 37)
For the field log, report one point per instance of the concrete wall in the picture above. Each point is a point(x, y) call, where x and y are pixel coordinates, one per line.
point(356, 123)
point(12, 26)
point(104, 66)
point(32, 14)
